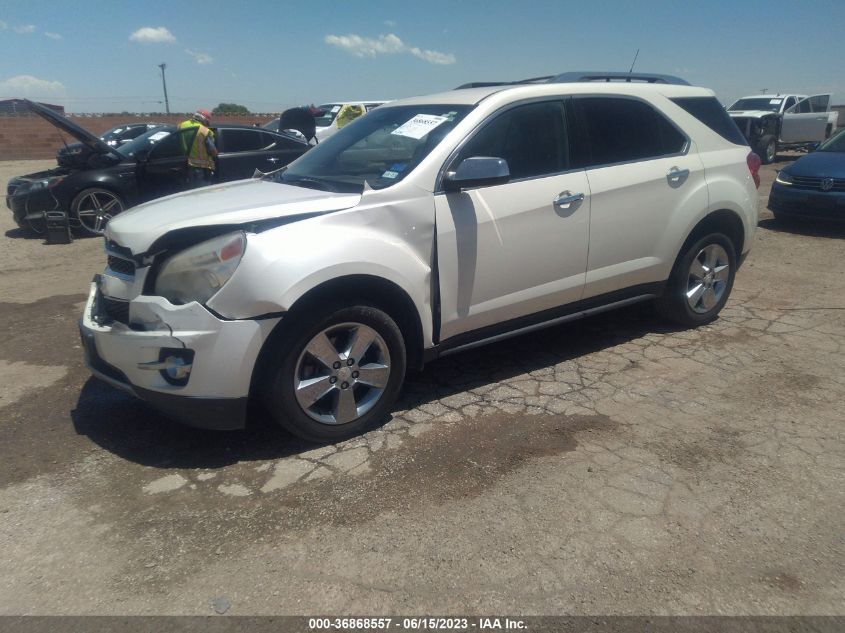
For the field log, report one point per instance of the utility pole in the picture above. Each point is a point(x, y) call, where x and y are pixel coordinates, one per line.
point(164, 84)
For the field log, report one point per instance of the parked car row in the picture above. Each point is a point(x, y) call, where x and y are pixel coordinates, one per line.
point(429, 226)
point(95, 180)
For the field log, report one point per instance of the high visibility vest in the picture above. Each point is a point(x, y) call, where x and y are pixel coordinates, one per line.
point(198, 154)
point(347, 114)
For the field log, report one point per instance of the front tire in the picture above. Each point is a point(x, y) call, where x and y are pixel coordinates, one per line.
point(338, 374)
point(94, 207)
point(768, 149)
point(701, 281)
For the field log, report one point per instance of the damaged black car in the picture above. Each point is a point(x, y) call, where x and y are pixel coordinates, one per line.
point(98, 181)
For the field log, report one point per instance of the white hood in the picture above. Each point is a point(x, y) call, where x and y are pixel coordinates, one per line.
point(239, 202)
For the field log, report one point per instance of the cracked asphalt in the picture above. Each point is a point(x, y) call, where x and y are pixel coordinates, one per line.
point(616, 465)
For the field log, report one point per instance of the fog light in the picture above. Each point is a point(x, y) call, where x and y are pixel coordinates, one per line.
point(174, 365)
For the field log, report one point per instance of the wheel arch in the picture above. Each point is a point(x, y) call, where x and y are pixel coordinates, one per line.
point(377, 291)
point(723, 221)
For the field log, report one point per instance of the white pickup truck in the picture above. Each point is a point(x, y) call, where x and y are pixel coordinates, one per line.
point(783, 121)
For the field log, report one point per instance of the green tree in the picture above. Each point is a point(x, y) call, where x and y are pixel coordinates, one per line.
point(230, 108)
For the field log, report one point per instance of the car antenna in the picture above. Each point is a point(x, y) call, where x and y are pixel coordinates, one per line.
point(634, 62)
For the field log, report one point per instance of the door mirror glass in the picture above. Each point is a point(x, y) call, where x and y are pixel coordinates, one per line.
point(477, 171)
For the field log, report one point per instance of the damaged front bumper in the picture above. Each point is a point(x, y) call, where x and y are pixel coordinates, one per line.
point(183, 360)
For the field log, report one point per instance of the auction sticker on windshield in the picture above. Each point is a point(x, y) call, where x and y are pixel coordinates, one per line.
point(419, 126)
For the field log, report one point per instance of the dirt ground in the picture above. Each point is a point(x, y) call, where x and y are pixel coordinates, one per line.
point(610, 466)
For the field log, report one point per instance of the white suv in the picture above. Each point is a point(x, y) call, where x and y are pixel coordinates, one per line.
point(429, 226)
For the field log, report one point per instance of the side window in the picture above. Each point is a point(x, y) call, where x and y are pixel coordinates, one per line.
point(243, 140)
point(711, 113)
point(531, 138)
point(789, 103)
point(622, 130)
point(803, 107)
point(819, 103)
point(174, 145)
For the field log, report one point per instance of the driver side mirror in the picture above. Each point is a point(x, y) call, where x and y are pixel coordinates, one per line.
point(142, 154)
point(477, 171)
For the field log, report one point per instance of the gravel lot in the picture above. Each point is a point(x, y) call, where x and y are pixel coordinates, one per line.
point(614, 465)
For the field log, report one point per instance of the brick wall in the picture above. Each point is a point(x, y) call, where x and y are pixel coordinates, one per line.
point(25, 137)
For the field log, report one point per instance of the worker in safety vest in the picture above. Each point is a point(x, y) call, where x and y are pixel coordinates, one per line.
point(202, 152)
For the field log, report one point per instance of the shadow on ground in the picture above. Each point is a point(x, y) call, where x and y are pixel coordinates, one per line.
point(807, 228)
point(128, 428)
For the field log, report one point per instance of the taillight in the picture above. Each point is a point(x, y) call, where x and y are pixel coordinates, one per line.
point(754, 163)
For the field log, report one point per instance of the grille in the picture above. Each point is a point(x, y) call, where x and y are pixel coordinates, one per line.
point(116, 309)
point(806, 182)
point(120, 265)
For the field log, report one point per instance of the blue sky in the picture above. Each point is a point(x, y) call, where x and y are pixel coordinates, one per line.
point(98, 55)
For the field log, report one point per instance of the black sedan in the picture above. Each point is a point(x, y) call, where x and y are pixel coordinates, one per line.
point(813, 187)
point(98, 182)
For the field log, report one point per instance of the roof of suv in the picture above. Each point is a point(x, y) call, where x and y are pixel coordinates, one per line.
point(471, 96)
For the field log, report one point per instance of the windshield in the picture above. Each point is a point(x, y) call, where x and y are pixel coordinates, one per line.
point(112, 133)
point(835, 143)
point(145, 141)
point(758, 103)
point(380, 148)
point(329, 113)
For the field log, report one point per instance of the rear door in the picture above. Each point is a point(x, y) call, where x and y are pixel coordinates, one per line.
point(646, 181)
point(243, 150)
point(806, 121)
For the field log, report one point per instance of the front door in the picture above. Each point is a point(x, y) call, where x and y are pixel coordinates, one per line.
point(806, 121)
point(164, 170)
point(519, 248)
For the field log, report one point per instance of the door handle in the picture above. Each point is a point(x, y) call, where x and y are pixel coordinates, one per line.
point(677, 176)
point(565, 198)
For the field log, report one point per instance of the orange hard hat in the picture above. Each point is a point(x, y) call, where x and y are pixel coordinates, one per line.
point(202, 113)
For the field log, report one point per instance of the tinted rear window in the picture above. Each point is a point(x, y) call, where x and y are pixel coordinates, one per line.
point(622, 130)
point(710, 112)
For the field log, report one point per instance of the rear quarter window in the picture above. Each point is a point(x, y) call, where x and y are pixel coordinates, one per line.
point(710, 112)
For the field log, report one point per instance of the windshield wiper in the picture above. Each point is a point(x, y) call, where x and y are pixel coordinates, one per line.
point(311, 183)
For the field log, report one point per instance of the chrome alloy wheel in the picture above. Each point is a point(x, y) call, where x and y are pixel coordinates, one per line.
point(708, 278)
point(341, 373)
point(95, 208)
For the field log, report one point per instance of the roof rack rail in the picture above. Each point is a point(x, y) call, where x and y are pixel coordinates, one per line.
point(487, 84)
point(581, 76)
point(651, 78)
point(483, 84)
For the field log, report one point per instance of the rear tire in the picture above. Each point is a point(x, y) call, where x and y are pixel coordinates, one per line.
point(767, 148)
point(336, 373)
point(700, 282)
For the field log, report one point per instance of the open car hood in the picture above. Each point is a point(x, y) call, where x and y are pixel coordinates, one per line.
point(250, 204)
point(752, 114)
point(66, 125)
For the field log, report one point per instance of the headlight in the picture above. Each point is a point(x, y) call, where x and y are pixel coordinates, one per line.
point(197, 273)
point(784, 178)
point(45, 183)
